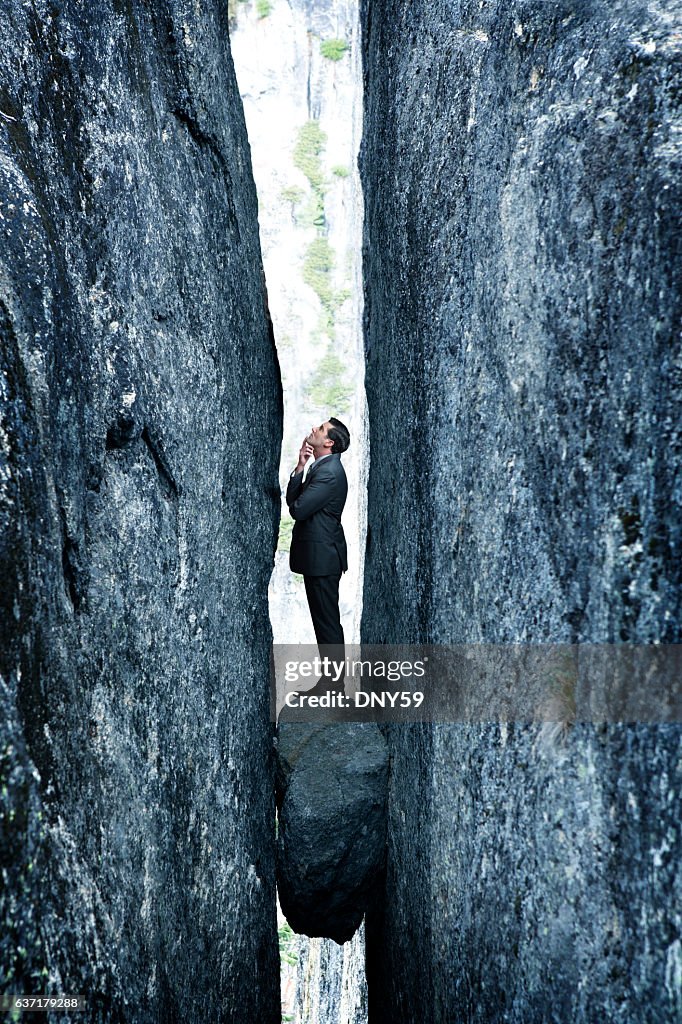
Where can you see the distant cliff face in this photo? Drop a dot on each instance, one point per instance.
(299, 72)
(521, 172)
(140, 403)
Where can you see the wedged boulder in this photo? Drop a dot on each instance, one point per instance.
(332, 782)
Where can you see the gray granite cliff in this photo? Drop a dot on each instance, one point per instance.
(521, 165)
(140, 415)
(521, 169)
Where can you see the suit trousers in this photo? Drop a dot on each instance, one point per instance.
(323, 600)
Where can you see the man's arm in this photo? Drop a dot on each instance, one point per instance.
(296, 478)
(316, 495)
(294, 485)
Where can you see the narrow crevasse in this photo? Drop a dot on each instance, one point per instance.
(299, 70)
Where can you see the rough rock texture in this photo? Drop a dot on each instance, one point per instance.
(332, 784)
(137, 528)
(521, 165)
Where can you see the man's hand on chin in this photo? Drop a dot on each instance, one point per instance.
(303, 455)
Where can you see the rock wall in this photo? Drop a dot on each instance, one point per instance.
(141, 412)
(521, 172)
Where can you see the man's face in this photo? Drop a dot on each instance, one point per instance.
(317, 437)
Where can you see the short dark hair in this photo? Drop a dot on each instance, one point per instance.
(338, 433)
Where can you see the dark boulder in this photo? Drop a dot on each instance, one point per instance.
(332, 787)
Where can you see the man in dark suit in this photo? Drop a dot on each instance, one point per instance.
(318, 544)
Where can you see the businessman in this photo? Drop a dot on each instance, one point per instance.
(318, 544)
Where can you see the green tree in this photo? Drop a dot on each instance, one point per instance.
(307, 152)
(286, 526)
(333, 49)
(292, 194)
(317, 268)
(330, 390)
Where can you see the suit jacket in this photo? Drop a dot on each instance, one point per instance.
(318, 544)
